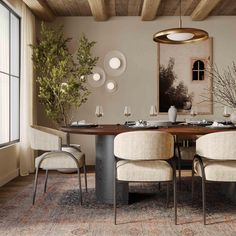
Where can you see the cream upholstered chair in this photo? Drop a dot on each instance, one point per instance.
(58, 155)
(141, 156)
(215, 161)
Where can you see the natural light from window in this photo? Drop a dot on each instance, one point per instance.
(9, 76)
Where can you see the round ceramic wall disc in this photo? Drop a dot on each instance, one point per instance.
(114, 63)
(97, 78)
(111, 86)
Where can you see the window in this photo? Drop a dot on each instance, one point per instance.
(198, 70)
(9, 76)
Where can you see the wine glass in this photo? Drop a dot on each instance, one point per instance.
(99, 112)
(193, 112)
(153, 110)
(226, 114)
(127, 111)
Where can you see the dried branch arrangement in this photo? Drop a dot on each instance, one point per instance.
(224, 85)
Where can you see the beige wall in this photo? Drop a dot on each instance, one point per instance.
(8, 163)
(138, 85)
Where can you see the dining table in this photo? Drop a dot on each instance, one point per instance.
(104, 167)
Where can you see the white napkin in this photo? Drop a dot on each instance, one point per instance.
(81, 122)
(216, 124)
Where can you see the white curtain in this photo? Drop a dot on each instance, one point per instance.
(27, 89)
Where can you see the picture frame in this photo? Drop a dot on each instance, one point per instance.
(183, 79)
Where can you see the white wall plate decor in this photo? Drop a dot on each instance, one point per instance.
(97, 78)
(111, 86)
(114, 63)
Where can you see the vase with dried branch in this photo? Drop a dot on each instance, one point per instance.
(224, 87)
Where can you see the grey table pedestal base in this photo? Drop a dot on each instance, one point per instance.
(105, 172)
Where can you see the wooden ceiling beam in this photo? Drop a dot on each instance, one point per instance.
(98, 9)
(149, 10)
(203, 9)
(40, 9)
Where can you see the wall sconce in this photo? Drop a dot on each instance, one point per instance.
(97, 78)
(114, 63)
(111, 86)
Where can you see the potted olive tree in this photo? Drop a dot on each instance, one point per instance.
(60, 74)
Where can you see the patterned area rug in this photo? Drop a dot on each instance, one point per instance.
(58, 211)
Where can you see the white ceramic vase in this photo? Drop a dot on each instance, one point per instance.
(233, 117)
(172, 114)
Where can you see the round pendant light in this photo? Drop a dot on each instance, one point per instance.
(180, 35)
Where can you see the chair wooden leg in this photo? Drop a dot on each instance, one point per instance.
(178, 155)
(35, 184)
(114, 194)
(199, 158)
(46, 180)
(204, 200)
(80, 186)
(159, 186)
(192, 184)
(175, 198)
(85, 177)
(179, 164)
(167, 194)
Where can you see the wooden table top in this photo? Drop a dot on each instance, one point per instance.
(117, 129)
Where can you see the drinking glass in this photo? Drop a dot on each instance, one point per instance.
(127, 111)
(226, 114)
(99, 112)
(193, 112)
(153, 110)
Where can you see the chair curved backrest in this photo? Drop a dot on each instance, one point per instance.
(217, 146)
(144, 145)
(46, 139)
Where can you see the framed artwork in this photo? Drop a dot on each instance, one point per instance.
(182, 77)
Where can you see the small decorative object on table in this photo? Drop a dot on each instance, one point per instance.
(172, 114)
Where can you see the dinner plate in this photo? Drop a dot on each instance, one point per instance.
(84, 125)
(200, 122)
(143, 127)
(220, 127)
(159, 123)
